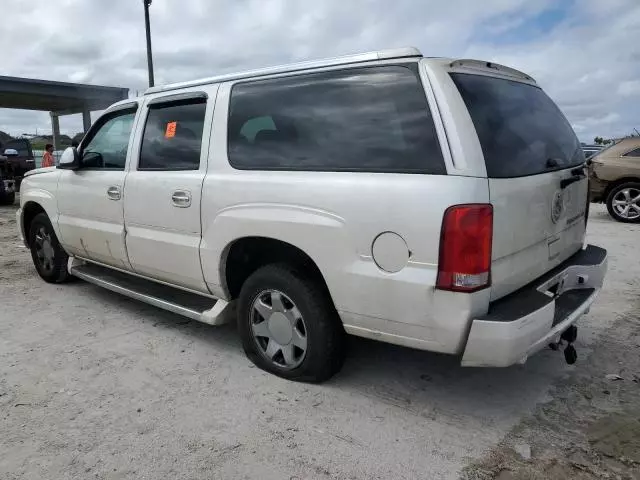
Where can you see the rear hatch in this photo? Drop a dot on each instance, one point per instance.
(537, 185)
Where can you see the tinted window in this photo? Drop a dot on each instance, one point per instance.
(107, 147)
(254, 126)
(521, 130)
(22, 147)
(366, 119)
(633, 153)
(173, 137)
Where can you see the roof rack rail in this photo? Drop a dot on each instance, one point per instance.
(406, 52)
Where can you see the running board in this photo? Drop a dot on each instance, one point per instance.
(196, 307)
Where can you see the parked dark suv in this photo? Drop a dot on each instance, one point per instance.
(19, 159)
(7, 185)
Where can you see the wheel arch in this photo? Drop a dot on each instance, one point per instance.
(616, 183)
(243, 256)
(29, 211)
(39, 196)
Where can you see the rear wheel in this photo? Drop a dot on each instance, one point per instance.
(623, 202)
(48, 256)
(289, 326)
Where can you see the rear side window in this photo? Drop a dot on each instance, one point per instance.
(173, 136)
(521, 131)
(633, 153)
(368, 119)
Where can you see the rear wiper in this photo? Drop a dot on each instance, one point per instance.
(552, 163)
(555, 162)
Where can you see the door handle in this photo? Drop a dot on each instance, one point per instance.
(113, 193)
(181, 199)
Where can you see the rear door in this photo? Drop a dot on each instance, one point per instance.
(164, 186)
(536, 182)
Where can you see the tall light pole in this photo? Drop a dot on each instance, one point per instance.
(148, 30)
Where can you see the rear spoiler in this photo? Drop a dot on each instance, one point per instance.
(481, 65)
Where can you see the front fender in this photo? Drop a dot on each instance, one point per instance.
(42, 194)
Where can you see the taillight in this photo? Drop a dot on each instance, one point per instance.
(465, 248)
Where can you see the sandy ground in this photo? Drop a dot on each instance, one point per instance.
(93, 385)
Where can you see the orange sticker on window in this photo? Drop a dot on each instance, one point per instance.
(170, 132)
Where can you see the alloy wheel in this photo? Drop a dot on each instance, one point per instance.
(279, 329)
(45, 253)
(626, 203)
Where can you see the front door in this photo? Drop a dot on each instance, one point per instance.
(163, 190)
(90, 199)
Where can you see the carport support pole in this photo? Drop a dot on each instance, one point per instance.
(55, 127)
(147, 26)
(86, 120)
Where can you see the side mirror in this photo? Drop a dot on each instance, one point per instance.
(11, 152)
(70, 160)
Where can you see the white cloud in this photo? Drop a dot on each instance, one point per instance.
(629, 88)
(594, 123)
(589, 63)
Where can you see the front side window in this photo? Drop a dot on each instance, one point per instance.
(107, 147)
(373, 119)
(172, 137)
(633, 153)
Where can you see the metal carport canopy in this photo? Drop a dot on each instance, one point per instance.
(58, 98)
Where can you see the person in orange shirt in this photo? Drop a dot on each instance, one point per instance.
(47, 158)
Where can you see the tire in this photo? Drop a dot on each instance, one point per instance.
(48, 256)
(318, 327)
(628, 192)
(8, 199)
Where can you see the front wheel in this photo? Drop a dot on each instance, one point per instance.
(289, 326)
(623, 202)
(48, 256)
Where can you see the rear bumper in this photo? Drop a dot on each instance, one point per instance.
(522, 323)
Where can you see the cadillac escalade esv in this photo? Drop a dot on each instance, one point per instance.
(434, 203)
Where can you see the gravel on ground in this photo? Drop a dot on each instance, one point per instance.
(97, 386)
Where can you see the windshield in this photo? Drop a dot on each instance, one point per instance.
(20, 145)
(521, 131)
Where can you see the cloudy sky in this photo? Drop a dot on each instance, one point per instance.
(584, 53)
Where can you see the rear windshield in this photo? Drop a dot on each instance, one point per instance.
(521, 131)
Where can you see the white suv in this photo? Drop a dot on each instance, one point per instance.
(433, 203)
